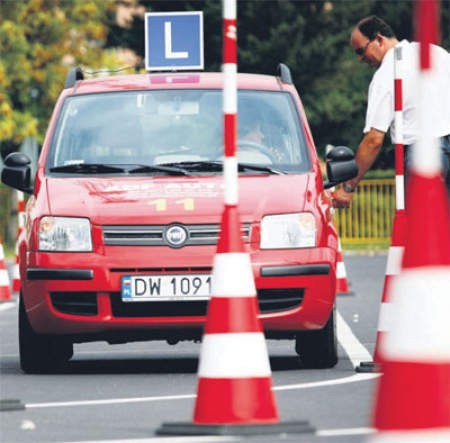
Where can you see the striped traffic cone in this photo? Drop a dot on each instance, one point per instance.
(342, 286)
(413, 402)
(412, 398)
(234, 365)
(393, 268)
(5, 290)
(234, 393)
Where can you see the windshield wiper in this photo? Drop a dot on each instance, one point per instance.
(260, 168)
(168, 169)
(199, 166)
(86, 168)
(217, 166)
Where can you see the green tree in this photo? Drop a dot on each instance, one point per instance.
(310, 36)
(39, 41)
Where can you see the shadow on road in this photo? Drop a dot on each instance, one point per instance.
(150, 365)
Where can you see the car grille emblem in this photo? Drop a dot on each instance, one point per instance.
(176, 236)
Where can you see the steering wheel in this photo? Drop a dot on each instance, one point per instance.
(263, 149)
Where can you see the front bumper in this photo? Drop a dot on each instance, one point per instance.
(295, 289)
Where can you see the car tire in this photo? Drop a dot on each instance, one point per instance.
(40, 353)
(318, 349)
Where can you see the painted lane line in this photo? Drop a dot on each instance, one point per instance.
(333, 382)
(177, 439)
(354, 349)
(352, 346)
(109, 401)
(344, 432)
(7, 305)
(212, 439)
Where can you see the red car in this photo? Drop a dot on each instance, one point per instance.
(124, 214)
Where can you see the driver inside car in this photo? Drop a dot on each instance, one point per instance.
(251, 142)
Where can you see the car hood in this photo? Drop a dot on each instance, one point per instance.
(137, 200)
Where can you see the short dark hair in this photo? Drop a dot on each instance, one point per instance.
(373, 25)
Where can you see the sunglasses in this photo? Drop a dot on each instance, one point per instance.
(362, 50)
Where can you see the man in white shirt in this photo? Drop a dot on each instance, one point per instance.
(373, 41)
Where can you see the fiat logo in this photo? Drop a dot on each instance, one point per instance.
(176, 236)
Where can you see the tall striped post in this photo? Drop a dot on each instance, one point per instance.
(397, 246)
(229, 101)
(235, 384)
(412, 398)
(234, 391)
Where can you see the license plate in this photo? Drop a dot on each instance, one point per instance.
(166, 287)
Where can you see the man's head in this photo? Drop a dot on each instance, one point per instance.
(371, 39)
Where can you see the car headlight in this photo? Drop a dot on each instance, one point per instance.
(64, 234)
(284, 231)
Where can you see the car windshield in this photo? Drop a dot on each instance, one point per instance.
(138, 129)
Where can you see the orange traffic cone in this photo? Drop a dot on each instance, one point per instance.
(234, 365)
(20, 228)
(342, 286)
(234, 394)
(412, 399)
(5, 290)
(413, 392)
(393, 268)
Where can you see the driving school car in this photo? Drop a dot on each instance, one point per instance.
(123, 216)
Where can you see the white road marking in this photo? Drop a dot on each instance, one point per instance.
(352, 346)
(109, 401)
(355, 350)
(345, 431)
(177, 439)
(211, 439)
(7, 305)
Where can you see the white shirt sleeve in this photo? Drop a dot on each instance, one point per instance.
(380, 104)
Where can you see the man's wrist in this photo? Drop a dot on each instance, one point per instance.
(348, 187)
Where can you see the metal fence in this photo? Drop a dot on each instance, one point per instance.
(368, 220)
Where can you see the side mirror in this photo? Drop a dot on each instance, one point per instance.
(17, 172)
(341, 166)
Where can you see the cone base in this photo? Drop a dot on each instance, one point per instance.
(348, 292)
(11, 405)
(367, 367)
(296, 427)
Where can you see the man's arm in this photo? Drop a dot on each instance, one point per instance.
(367, 153)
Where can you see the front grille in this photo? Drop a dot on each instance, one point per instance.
(85, 303)
(153, 235)
(269, 300)
(75, 303)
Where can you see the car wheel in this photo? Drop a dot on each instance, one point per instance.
(318, 349)
(40, 353)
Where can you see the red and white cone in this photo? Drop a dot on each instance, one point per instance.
(234, 364)
(5, 290)
(393, 268)
(20, 227)
(342, 286)
(234, 393)
(412, 399)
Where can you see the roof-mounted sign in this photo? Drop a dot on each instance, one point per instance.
(173, 40)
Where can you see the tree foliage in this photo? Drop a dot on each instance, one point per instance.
(39, 41)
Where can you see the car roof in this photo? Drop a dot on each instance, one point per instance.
(178, 80)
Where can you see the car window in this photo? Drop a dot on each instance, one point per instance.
(170, 126)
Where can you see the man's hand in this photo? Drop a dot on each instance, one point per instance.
(341, 199)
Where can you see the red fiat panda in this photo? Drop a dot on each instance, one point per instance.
(124, 214)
